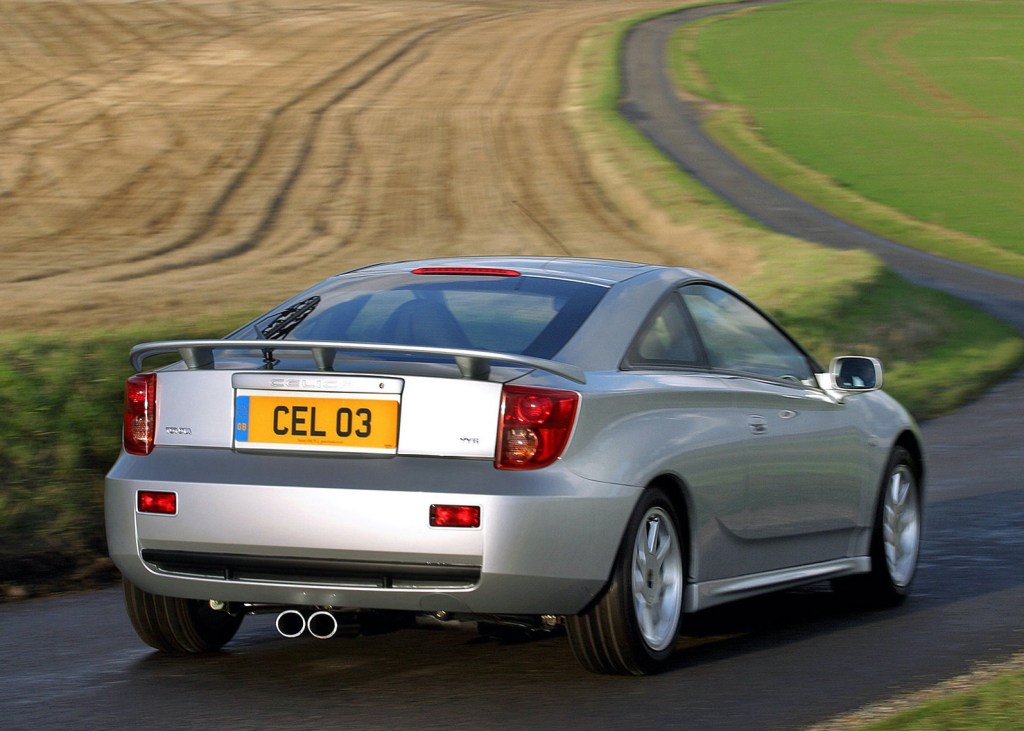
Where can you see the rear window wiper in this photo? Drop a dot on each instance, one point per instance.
(289, 318)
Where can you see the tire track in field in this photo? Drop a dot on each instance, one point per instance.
(121, 79)
(376, 84)
(268, 144)
(209, 217)
(514, 137)
(22, 168)
(236, 185)
(915, 86)
(308, 170)
(440, 111)
(942, 100)
(134, 57)
(124, 57)
(268, 217)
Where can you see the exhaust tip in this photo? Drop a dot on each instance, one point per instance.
(290, 623)
(322, 625)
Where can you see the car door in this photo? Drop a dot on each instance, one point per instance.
(801, 454)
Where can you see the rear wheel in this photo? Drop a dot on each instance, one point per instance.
(631, 629)
(179, 626)
(895, 540)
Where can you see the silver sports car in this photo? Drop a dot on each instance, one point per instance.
(603, 445)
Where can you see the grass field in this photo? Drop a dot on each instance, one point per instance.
(907, 118)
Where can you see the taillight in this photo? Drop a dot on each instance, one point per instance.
(535, 426)
(140, 413)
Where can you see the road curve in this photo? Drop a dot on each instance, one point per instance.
(673, 124)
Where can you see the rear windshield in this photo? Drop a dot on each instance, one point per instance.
(522, 315)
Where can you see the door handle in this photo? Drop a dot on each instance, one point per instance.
(757, 424)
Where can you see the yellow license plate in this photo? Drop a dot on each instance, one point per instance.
(301, 421)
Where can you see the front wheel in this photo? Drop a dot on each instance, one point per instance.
(178, 626)
(631, 629)
(895, 540)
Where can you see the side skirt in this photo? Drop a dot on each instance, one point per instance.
(709, 593)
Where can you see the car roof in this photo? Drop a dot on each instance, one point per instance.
(596, 271)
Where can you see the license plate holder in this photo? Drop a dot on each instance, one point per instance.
(316, 421)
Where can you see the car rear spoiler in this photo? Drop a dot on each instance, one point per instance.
(198, 354)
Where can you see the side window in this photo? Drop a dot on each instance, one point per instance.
(738, 338)
(667, 338)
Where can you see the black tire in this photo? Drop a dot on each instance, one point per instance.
(178, 626)
(632, 627)
(895, 538)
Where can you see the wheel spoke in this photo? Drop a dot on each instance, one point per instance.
(653, 524)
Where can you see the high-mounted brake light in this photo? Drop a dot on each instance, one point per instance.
(140, 413)
(468, 271)
(535, 426)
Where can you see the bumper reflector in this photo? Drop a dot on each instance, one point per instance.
(161, 503)
(455, 516)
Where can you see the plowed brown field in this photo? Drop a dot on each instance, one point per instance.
(166, 160)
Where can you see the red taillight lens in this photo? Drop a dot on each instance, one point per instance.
(161, 503)
(535, 426)
(140, 413)
(455, 516)
(532, 408)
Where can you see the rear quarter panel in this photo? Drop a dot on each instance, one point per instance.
(636, 426)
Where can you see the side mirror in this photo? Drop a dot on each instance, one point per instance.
(855, 373)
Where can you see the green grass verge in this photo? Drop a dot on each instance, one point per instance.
(904, 118)
(997, 705)
(938, 352)
(60, 431)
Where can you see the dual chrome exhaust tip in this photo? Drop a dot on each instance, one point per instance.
(292, 623)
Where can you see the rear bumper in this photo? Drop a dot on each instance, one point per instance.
(354, 532)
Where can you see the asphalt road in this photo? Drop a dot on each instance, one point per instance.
(778, 662)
